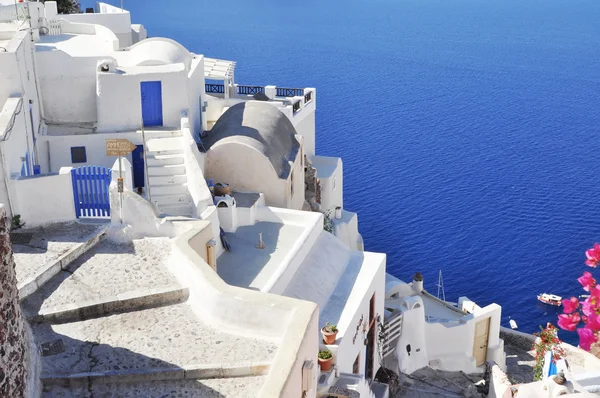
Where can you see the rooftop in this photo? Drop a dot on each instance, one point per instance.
(247, 266)
(75, 45)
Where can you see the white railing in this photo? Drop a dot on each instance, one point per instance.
(54, 27)
(392, 331)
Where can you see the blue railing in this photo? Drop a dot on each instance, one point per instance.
(214, 88)
(289, 92)
(250, 90)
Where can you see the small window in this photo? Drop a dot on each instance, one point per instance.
(334, 181)
(78, 154)
(292, 185)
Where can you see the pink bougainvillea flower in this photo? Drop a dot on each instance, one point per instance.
(570, 305)
(593, 322)
(587, 281)
(591, 304)
(587, 307)
(569, 322)
(593, 256)
(586, 338)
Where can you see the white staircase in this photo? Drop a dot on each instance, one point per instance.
(167, 178)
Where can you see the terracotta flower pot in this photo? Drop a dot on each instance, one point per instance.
(328, 337)
(325, 364)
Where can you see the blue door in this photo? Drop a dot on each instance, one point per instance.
(151, 103)
(137, 157)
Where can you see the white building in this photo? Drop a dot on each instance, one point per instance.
(70, 83)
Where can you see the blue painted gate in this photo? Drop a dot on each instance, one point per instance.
(151, 103)
(90, 191)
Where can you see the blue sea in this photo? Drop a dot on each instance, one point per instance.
(469, 129)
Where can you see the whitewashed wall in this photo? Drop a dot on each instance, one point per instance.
(68, 85)
(413, 335)
(348, 350)
(59, 149)
(246, 170)
(331, 176)
(119, 22)
(450, 346)
(346, 229)
(306, 128)
(296, 177)
(18, 139)
(17, 80)
(194, 165)
(196, 95)
(119, 97)
(292, 323)
(45, 199)
(312, 224)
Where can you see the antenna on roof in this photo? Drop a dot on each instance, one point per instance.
(440, 286)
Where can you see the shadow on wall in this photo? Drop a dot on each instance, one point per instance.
(237, 269)
(90, 356)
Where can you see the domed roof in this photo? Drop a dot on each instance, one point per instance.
(261, 126)
(158, 51)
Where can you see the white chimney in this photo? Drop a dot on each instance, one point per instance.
(417, 284)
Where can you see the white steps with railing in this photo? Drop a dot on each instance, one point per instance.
(167, 177)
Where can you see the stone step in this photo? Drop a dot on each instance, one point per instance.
(38, 266)
(161, 145)
(219, 386)
(110, 305)
(176, 210)
(172, 189)
(163, 160)
(186, 372)
(166, 170)
(159, 132)
(109, 271)
(157, 340)
(165, 151)
(177, 199)
(167, 180)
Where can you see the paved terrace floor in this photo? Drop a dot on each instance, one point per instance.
(48, 244)
(142, 340)
(108, 269)
(247, 266)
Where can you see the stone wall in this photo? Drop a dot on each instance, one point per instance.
(14, 339)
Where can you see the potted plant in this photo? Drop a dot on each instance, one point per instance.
(329, 333)
(325, 359)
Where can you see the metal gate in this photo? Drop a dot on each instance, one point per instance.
(91, 192)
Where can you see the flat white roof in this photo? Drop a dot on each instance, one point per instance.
(218, 69)
(74, 44)
(249, 267)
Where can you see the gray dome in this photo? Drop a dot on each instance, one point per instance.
(261, 126)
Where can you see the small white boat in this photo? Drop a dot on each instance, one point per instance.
(513, 324)
(550, 299)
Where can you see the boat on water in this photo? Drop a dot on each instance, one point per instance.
(550, 299)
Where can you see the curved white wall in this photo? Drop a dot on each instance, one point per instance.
(246, 170)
